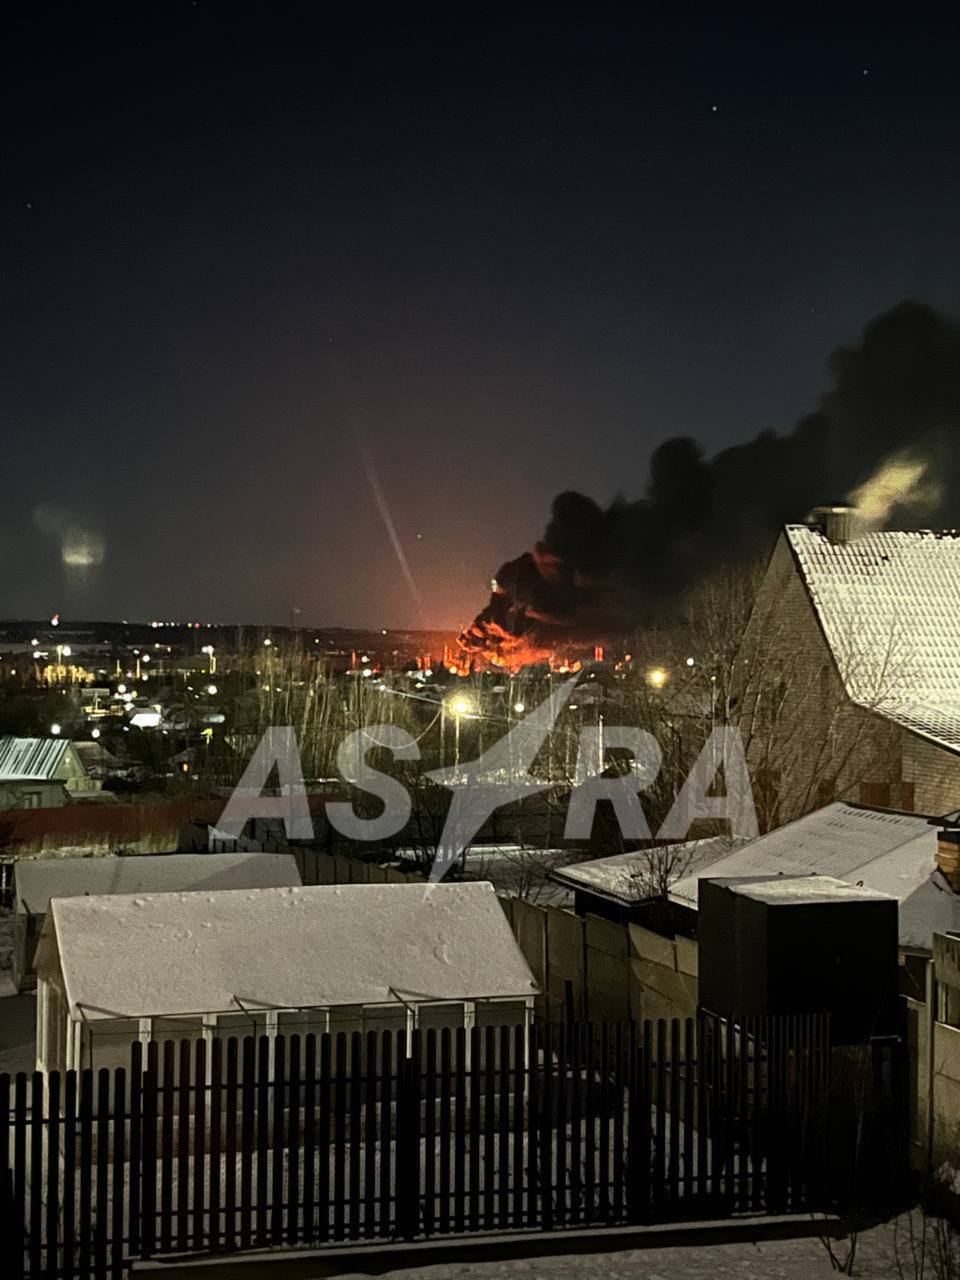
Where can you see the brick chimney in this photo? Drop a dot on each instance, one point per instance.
(835, 520)
(948, 857)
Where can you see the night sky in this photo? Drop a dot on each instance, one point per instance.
(268, 276)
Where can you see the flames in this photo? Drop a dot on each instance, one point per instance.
(486, 645)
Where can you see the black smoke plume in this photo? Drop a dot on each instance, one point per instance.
(598, 573)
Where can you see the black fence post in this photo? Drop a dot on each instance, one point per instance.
(408, 1138)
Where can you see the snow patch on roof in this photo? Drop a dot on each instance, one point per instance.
(626, 876)
(802, 890)
(287, 948)
(889, 605)
(891, 852)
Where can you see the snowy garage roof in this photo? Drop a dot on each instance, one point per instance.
(324, 945)
(889, 606)
(893, 853)
(38, 880)
(622, 877)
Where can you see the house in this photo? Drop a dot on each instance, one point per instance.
(40, 773)
(37, 880)
(852, 656)
(225, 963)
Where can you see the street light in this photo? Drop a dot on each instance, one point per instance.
(657, 677)
(458, 706)
(55, 730)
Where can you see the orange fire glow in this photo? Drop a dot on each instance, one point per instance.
(488, 645)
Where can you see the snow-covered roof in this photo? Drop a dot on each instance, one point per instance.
(37, 880)
(625, 877)
(892, 853)
(30, 759)
(802, 890)
(293, 948)
(889, 606)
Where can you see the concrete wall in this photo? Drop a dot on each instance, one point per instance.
(946, 1093)
(595, 969)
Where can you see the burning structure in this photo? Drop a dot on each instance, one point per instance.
(597, 573)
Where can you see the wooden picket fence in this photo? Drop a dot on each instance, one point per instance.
(236, 1144)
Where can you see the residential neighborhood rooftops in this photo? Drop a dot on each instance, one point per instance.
(37, 880)
(889, 606)
(145, 955)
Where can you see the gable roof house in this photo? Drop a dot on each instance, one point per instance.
(39, 773)
(224, 963)
(37, 880)
(851, 661)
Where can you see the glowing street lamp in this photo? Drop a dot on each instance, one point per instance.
(458, 706)
(55, 730)
(657, 677)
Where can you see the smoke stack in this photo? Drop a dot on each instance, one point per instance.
(835, 521)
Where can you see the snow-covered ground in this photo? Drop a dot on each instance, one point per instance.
(776, 1260)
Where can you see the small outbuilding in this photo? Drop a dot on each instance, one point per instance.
(321, 958)
(37, 880)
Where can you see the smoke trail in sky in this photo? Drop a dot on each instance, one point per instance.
(380, 499)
